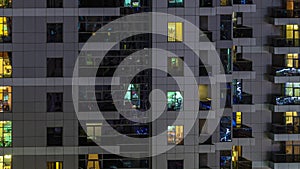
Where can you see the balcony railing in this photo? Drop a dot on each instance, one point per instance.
(286, 100)
(242, 65)
(285, 158)
(242, 131)
(205, 104)
(244, 98)
(242, 32)
(285, 129)
(285, 71)
(242, 2)
(284, 13)
(283, 42)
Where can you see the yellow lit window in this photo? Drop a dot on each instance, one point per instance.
(3, 26)
(292, 89)
(238, 118)
(55, 165)
(93, 161)
(290, 4)
(292, 60)
(5, 65)
(5, 162)
(292, 31)
(175, 32)
(175, 134)
(289, 117)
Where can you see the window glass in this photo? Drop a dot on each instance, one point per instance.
(132, 96)
(55, 165)
(175, 164)
(54, 67)
(175, 31)
(5, 64)
(5, 3)
(5, 98)
(225, 129)
(175, 135)
(5, 29)
(54, 32)
(54, 102)
(225, 159)
(5, 162)
(176, 3)
(54, 3)
(5, 133)
(175, 100)
(132, 3)
(54, 136)
(175, 66)
(225, 2)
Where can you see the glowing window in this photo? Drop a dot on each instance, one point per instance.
(175, 66)
(175, 31)
(5, 3)
(93, 131)
(132, 96)
(175, 3)
(292, 60)
(175, 135)
(5, 64)
(93, 161)
(5, 29)
(132, 3)
(175, 100)
(292, 31)
(292, 89)
(5, 133)
(5, 162)
(54, 165)
(5, 98)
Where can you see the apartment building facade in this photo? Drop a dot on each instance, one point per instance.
(42, 40)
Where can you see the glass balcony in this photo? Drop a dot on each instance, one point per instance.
(242, 32)
(242, 163)
(285, 71)
(285, 158)
(286, 100)
(283, 42)
(242, 65)
(206, 3)
(242, 131)
(205, 104)
(242, 2)
(285, 129)
(244, 98)
(284, 13)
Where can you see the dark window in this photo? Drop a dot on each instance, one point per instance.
(54, 67)
(54, 32)
(206, 3)
(54, 136)
(54, 3)
(175, 164)
(225, 27)
(54, 102)
(98, 3)
(175, 66)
